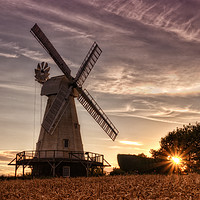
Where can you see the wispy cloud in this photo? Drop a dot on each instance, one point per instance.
(5, 158)
(127, 148)
(168, 16)
(127, 82)
(7, 155)
(153, 118)
(20, 51)
(65, 28)
(130, 143)
(31, 54)
(17, 87)
(7, 55)
(166, 108)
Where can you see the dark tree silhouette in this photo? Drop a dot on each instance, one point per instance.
(184, 143)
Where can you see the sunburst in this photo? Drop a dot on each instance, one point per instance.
(173, 161)
(176, 160)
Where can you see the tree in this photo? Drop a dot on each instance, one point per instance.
(142, 155)
(182, 143)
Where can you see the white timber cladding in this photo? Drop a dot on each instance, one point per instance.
(67, 128)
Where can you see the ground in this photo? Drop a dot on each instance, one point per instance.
(106, 188)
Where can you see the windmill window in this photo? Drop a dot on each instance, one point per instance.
(66, 143)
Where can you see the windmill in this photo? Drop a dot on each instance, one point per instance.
(60, 129)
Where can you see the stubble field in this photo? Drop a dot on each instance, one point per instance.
(106, 188)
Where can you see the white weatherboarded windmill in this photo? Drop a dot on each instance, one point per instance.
(59, 150)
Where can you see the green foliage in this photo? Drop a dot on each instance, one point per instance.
(183, 142)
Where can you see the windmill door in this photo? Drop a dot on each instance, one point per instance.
(66, 171)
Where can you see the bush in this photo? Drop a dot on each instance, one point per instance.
(117, 171)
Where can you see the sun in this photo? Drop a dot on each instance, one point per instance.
(176, 160)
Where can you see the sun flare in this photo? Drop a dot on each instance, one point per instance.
(176, 163)
(176, 160)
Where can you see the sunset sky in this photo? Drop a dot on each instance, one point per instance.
(147, 79)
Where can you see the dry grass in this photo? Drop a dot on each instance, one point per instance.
(117, 187)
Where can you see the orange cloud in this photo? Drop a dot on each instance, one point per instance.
(130, 143)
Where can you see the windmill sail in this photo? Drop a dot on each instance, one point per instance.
(59, 105)
(97, 113)
(88, 64)
(57, 109)
(46, 44)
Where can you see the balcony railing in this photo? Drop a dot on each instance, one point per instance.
(58, 154)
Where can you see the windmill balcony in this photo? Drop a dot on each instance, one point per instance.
(58, 154)
(54, 160)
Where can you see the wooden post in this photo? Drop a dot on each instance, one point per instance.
(16, 167)
(23, 163)
(87, 164)
(23, 170)
(54, 169)
(102, 170)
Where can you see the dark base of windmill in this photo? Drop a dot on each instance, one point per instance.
(60, 163)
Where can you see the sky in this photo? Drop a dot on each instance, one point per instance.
(146, 79)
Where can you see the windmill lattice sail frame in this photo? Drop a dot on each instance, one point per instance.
(60, 103)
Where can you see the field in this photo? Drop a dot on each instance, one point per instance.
(108, 187)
